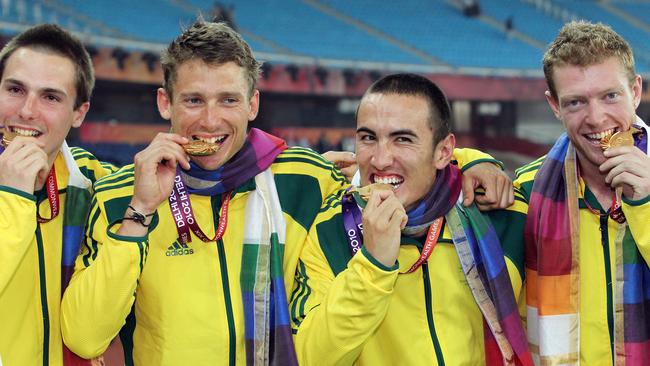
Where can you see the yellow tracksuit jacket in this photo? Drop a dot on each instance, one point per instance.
(30, 269)
(597, 263)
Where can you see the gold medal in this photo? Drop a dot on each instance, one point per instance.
(621, 138)
(366, 191)
(201, 148)
(7, 136)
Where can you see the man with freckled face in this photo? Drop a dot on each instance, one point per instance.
(587, 243)
(409, 275)
(46, 79)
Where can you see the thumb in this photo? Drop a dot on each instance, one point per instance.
(468, 192)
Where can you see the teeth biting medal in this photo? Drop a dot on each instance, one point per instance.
(620, 138)
(201, 148)
(366, 191)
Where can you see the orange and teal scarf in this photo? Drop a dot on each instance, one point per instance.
(552, 270)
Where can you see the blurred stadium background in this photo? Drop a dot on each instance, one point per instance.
(320, 55)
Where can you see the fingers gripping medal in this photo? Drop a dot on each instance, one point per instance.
(352, 219)
(620, 138)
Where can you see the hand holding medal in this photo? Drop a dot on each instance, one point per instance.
(621, 167)
(383, 220)
(23, 163)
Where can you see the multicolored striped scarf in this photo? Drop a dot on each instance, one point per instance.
(553, 273)
(257, 154)
(440, 199)
(482, 259)
(266, 312)
(77, 205)
(268, 333)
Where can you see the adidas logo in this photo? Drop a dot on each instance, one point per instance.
(178, 249)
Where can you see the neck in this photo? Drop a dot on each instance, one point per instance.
(596, 183)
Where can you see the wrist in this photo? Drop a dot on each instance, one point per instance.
(380, 257)
(144, 218)
(141, 207)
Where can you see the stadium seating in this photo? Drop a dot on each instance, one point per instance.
(441, 31)
(304, 30)
(411, 32)
(636, 36)
(526, 18)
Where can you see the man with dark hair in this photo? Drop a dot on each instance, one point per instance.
(46, 79)
(195, 245)
(586, 233)
(406, 275)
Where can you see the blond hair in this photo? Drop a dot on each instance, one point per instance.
(582, 43)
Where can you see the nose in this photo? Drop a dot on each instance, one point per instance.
(28, 110)
(382, 156)
(597, 113)
(211, 115)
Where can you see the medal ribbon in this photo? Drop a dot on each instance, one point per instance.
(52, 191)
(179, 203)
(432, 238)
(353, 223)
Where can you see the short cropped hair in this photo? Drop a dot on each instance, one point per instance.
(416, 85)
(212, 43)
(582, 43)
(53, 39)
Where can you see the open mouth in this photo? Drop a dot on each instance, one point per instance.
(394, 180)
(204, 146)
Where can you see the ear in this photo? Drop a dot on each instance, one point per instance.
(443, 151)
(637, 89)
(79, 114)
(254, 105)
(555, 106)
(164, 104)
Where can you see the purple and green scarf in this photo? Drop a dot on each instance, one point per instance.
(266, 312)
(553, 273)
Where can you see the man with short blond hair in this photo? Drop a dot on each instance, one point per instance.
(586, 236)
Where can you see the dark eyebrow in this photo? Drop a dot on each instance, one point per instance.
(366, 130)
(45, 90)
(14, 82)
(403, 132)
